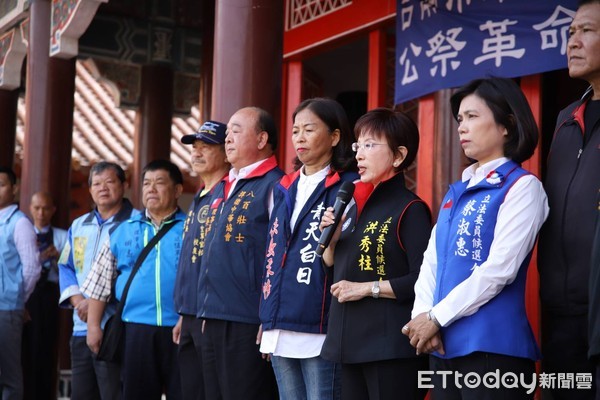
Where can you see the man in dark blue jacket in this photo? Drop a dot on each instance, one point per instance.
(572, 182)
(232, 265)
(210, 163)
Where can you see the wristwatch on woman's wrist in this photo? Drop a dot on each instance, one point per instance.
(375, 290)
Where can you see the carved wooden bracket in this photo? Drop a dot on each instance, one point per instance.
(186, 93)
(11, 11)
(70, 19)
(12, 53)
(24, 29)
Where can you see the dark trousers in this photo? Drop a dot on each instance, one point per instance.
(40, 343)
(382, 380)
(455, 386)
(92, 379)
(11, 373)
(597, 377)
(189, 356)
(233, 366)
(564, 350)
(150, 363)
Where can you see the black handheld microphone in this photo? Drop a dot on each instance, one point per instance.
(341, 200)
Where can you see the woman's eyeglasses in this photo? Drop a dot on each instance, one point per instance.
(364, 146)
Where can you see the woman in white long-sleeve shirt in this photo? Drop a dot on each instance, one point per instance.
(469, 310)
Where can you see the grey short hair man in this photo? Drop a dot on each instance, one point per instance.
(572, 184)
(233, 262)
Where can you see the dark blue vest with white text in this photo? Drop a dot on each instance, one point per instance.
(231, 268)
(295, 293)
(192, 250)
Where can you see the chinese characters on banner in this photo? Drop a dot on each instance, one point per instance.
(446, 43)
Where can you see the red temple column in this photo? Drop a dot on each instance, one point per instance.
(49, 117)
(208, 35)
(248, 50)
(8, 126)
(532, 88)
(426, 153)
(293, 74)
(377, 69)
(153, 120)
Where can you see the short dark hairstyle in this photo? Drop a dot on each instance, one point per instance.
(102, 166)
(396, 127)
(334, 117)
(586, 2)
(510, 109)
(12, 177)
(265, 122)
(165, 165)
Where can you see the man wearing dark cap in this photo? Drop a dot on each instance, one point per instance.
(210, 163)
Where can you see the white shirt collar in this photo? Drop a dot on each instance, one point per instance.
(243, 172)
(315, 178)
(476, 173)
(306, 186)
(45, 229)
(8, 210)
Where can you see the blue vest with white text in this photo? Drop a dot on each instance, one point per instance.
(86, 236)
(12, 291)
(465, 231)
(192, 250)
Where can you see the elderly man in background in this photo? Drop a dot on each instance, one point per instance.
(40, 335)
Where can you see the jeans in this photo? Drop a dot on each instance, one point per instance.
(92, 379)
(307, 378)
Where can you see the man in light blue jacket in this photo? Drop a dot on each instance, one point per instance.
(91, 378)
(149, 359)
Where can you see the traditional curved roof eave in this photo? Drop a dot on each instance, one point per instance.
(102, 131)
